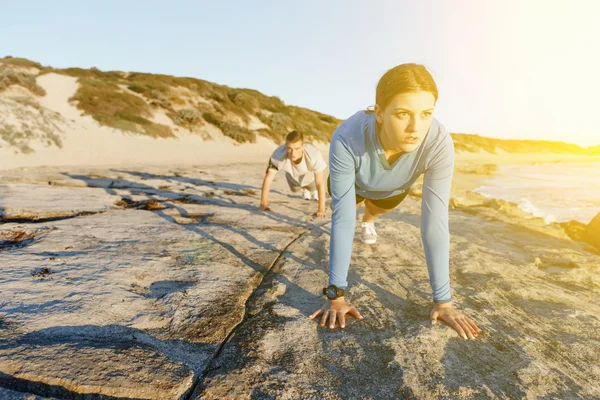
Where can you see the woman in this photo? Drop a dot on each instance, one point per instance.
(374, 158)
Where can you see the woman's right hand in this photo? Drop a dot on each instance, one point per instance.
(336, 310)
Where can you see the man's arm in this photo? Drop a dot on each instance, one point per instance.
(320, 182)
(266, 188)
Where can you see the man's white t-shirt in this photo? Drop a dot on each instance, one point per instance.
(303, 172)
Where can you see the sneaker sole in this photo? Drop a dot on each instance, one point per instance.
(369, 241)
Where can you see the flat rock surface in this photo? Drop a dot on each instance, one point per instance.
(168, 283)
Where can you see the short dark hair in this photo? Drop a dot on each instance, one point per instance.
(293, 137)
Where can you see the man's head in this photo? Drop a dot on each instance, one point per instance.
(294, 143)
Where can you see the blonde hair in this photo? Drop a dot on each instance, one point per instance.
(404, 78)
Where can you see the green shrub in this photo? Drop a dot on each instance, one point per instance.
(216, 97)
(238, 133)
(103, 99)
(211, 119)
(244, 101)
(91, 73)
(190, 116)
(311, 124)
(17, 138)
(10, 77)
(158, 130)
(269, 134)
(269, 103)
(132, 118)
(186, 117)
(280, 123)
(162, 83)
(149, 86)
(21, 62)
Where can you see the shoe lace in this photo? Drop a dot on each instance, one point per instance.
(370, 228)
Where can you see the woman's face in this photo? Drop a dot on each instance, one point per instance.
(405, 121)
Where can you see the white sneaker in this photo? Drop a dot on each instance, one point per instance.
(305, 194)
(315, 195)
(369, 236)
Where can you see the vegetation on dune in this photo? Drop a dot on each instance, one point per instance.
(109, 105)
(128, 101)
(237, 132)
(476, 143)
(21, 62)
(9, 77)
(29, 123)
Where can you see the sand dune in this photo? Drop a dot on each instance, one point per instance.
(86, 142)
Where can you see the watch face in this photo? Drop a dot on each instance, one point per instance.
(331, 293)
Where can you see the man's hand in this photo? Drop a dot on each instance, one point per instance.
(319, 214)
(455, 319)
(266, 187)
(336, 311)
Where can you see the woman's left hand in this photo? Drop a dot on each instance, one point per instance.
(455, 319)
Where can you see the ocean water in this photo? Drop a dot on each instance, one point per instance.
(556, 192)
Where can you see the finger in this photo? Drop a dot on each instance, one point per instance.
(354, 312)
(324, 318)
(331, 319)
(467, 328)
(342, 319)
(454, 324)
(474, 326)
(316, 313)
(434, 317)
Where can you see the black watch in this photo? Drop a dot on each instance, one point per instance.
(332, 292)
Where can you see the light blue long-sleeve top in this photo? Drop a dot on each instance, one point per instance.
(358, 165)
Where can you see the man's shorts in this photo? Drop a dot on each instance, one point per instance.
(386, 204)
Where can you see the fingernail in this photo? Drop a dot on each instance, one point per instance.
(343, 326)
(432, 322)
(464, 336)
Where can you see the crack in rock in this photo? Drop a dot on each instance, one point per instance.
(210, 366)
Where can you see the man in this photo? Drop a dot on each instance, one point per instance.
(303, 165)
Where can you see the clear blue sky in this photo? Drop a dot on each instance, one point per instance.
(513, 69)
